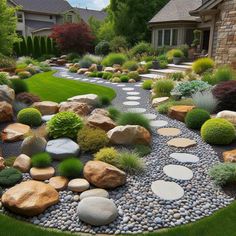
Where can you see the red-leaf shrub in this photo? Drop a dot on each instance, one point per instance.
(225, 92)
(73, 37)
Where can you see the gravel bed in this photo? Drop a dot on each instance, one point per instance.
(140, 210)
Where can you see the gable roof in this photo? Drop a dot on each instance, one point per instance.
(176, 10)
(44, 6)
(85, 14)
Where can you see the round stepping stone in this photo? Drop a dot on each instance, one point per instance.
(93, 80)
(170, 132)
(150, 116)
(185, 157)
(129, 103)
(59, 182)
(107, 82)
(158, 123)
(78, 185)
(167, 190)
(181, 142)
(121, 85)
(97, 192)
(137, 110)
(42, 173)
(178, 172)
(133, 98)
(133, 93)
(128, 89)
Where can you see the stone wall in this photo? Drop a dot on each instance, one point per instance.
(225, 51)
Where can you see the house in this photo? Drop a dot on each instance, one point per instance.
(174, 24)
(37, 17)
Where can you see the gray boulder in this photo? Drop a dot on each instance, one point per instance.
(62, 148)
(97, 211)
(6, 94)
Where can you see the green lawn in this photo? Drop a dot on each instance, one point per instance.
(51, 88)
(221, 223)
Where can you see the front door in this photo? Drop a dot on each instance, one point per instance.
(205, 40)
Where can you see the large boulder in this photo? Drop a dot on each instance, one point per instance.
(46, 107)
(62, 148)
(2, 163)
(97, 211)
(15, 132)
(101, 121)
(6, 112)
(129, 135)
(229, 156)
(103, 175)
(30, 198)
(81, 109)
(33, 145)
(179, 112)
(22, 163)
(6, 94)
(90, 99)
(228, 115)
(82, 71)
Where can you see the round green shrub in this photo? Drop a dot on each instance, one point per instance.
(202, 65)
(124, 78)
(218, 131)
(19, 86)
(209, 78)
(131, 118)
(9, 177)
(142, 48)
(147, 84)
(178, 53)
(93, 74)
(134, 75)
(148, 65)
(114, 58)
(114, 113)
(41, 160)
(70, 168)
(131, 65)
(102, 48)
(64, 124)
(163, 64)
(224, 73)
(100, 74)
(196, 118)
(163, 87)
(92, 139)
(118, 44)
(85, 63)
(30, 116)
(108, 155)
(107, 75)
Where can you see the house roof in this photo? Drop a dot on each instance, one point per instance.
(35, 25)
(207, 5)
(176, 10)
(85, 14)
(44, 6)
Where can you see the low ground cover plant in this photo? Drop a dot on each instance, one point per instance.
(10, 177)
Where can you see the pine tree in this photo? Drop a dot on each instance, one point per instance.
(30, 48)
(23, 47)
(49, 46)
(16, 49)
(43, 46)
(36, 53)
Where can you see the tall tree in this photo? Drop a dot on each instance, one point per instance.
(43, 46)
(8, 22)
(29, 45)
(37, 51)
(49, 46)
(130, 17)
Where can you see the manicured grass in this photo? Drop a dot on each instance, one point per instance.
(51, 88)
(221, 223)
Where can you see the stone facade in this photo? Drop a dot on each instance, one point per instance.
(225, 40)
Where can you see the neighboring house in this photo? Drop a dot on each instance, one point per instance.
(37, 17)
(175, 23)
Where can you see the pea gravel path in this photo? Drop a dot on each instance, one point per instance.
(140, 209)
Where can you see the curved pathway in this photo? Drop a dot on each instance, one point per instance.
(175, 188)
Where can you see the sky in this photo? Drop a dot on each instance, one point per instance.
(91, 4)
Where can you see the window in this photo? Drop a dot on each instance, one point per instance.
(69, 18)
(189, 36)
(167, 37)
(20, 17)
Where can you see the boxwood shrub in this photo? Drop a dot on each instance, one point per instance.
(9, 177)
(30, 116)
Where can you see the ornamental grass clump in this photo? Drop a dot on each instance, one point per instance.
(131, 118)
(218, 131)
(70, 168)
(142, 150)
(163, 87)
(114, 113)
(196, 118)
(41, 160)
(64, 124)
(114, 58)
(147, 84)
(108, 155)
(30, 116)
(130, 65)
(19, 86)
(202, 65)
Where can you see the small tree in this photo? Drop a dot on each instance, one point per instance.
(43, 46)
(30, 45)
(49, 46)
(8, 22)
(73, 37)
(16, 49)
(36, 53)
(23, 47)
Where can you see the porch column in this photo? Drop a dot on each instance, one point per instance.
(211, 40)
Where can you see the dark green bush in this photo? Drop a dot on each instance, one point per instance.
(142, 150)
(218, 131)
(134, 75)
(130, 118)
(104, 100)
(147, 84)
(142, 48)
(102, 48)
(92, 139)
(64, 124)
(9, 177)
(163, 87)
(223, 174)
(114, 58)
(114, 113)
(124, 78)
(30, 116)
(196, 118)
(1, 191)
(72, 56)
(41, 160)
(107, 75)
(19, 86)
(100, 74)
(93, 74)
(70, 168)
(177, 76)
(85, 63)
(131, 65)
(118, 44)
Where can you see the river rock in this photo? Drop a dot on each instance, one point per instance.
(2, 163)
(7, 94)
(179, 112)
(97, 192)
(228, 115)
(90, 99)
(46, 107)
(59, 182)
(230, 156)
(78, 185)
(81, 109)
(22, 163)
(6, 112)
(42, 173)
